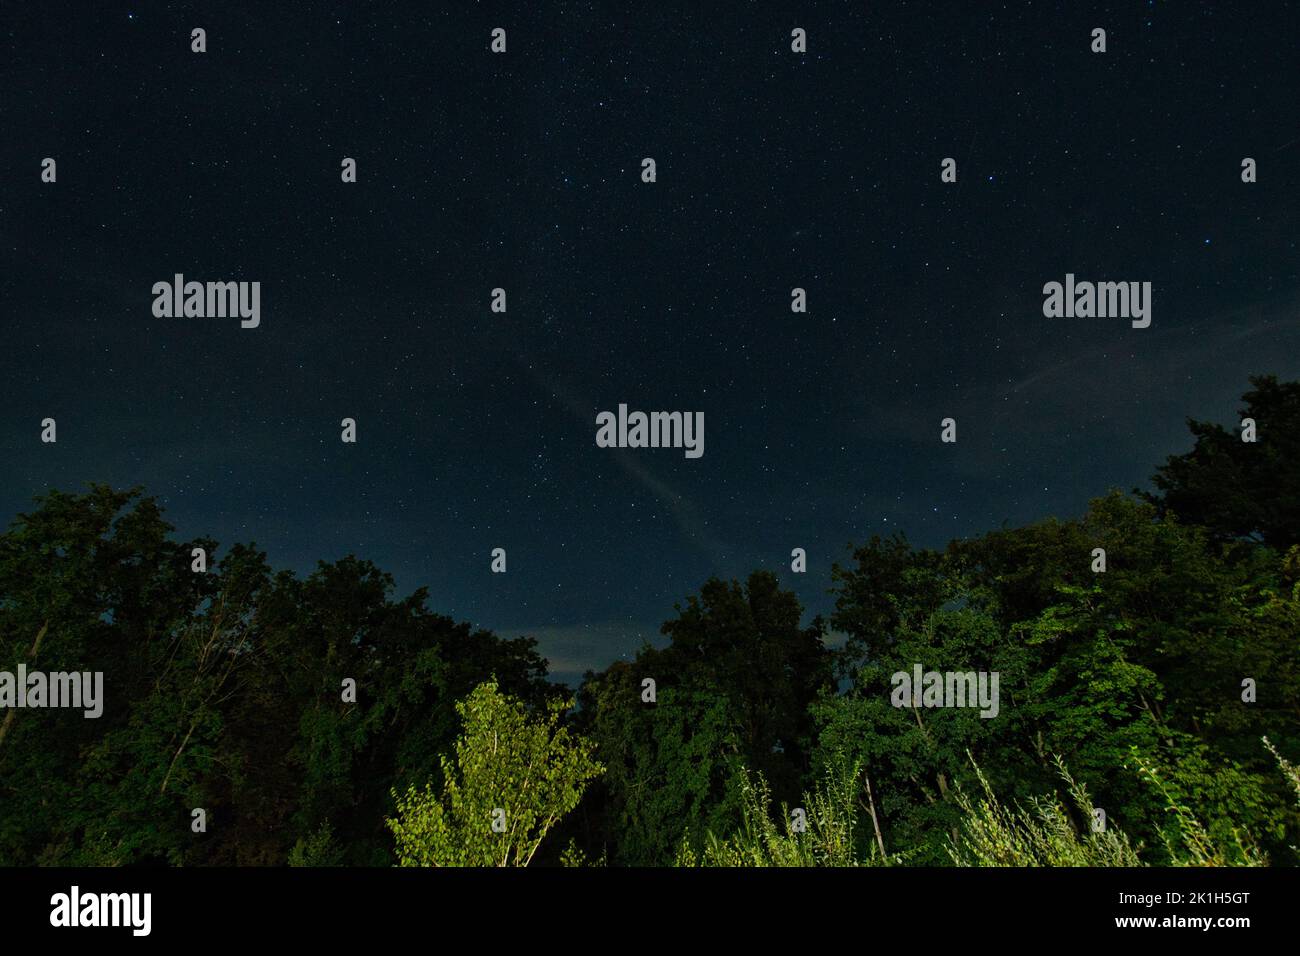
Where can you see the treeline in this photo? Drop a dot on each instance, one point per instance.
(1145, 691)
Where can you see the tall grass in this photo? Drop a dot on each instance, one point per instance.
(995, 834)
(1042, 832)
(826, 839)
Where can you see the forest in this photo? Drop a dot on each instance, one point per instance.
(1148, 713)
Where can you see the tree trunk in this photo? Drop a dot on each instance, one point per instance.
(31, 656)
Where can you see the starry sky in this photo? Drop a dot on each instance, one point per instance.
(776, 170)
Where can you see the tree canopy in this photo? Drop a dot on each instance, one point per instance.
(1145, 650)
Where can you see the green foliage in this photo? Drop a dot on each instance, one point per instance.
(1048, 834)
(573, 857)
(1289, 771)
(916, 756)
(1148, 657)
(1189, 842)
(734, 685)
(829, 836)
(318, 849)
(1044, 834)
(222, 691)
(525, 773)
(667, 765)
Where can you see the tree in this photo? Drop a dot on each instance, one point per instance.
(667, 766)
(1238, 488)
(733, 685)
(1147, 657)
(222, 690)
(88, 582)
(513, 779)
(747, 644)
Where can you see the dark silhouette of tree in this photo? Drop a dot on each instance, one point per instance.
(1236, 488)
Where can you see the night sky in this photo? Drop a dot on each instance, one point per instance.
(776, 170)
